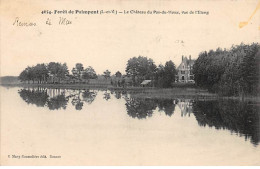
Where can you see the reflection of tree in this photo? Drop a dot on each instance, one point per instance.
(118, 94)
(107, 96)
(57, 102)
(86, 96)
(76, 101)
(37, 97)
(166, 105)
(78, 105)
(140, 108)
(89, 96)
(239, 117)
(54, 99)
(40, 98)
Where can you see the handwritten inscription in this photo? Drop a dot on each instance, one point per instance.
(60, 21)
(17, 22)
(64, 21)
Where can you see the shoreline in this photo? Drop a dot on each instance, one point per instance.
(144, 92)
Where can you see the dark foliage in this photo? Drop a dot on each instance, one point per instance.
(231, 72)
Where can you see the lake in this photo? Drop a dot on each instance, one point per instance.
(95, 127)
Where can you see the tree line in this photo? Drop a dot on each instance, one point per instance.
(137, 69)
(143, 68)
(233, 72)
(41, 72)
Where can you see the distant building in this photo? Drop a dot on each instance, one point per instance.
(184, 70)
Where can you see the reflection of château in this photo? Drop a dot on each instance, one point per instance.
(185, 106)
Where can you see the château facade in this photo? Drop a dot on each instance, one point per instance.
(184, 70)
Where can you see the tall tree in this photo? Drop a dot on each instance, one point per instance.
(132, 68)
(41, 72)
(63, 71)
(31, 73)
(58, 70)
(24, 76)
(140, 68)
(89, 73)
(118, 74)
(165, 75)
(107, 74)
(77, 71)
(170, 72)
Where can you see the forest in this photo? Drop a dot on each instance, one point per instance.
(233, 72)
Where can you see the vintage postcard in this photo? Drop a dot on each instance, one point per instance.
(130, 83)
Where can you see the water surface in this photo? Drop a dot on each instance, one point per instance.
(91, 127)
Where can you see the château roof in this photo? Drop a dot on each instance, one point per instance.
(186, 62)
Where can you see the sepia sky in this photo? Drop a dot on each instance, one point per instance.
(108, 41)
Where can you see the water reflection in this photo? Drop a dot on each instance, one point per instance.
(140, 108)
(119, 94)
(56, 99)
(76, 100)
(144, 107)
(107, 96)
(57, 102)
(237, 117)
(185, 107)
(89, 96)
(38, 97)
(167, 105)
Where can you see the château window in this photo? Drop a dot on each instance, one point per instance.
(182, 72)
